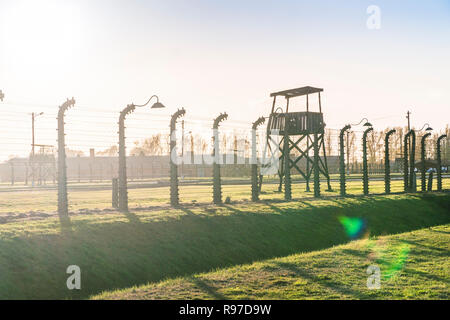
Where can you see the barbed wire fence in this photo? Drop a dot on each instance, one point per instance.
(91, 140)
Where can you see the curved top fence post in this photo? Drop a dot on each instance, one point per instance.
(409, 168)
(255, 126)
(387, 163)
(63, 204)
(123, 192)
(219, 119)
(217, 185)
(343, 186)
(258, 122)
(439, 162)
(423, 182)
(222, 117)
(365, 168)
(174, 195)
(254, 160)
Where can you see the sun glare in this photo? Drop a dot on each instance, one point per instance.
(40, 35)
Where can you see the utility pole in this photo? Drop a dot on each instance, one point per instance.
(182, 138)
(182, 148)
(33, 119)
(408, 116)
(32, 134)
(348, 152)
(192, 148)
(33, 145)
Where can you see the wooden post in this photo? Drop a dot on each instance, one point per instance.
(287, 158)
(316, 167)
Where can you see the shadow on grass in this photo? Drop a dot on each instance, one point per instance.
(211, 291)
(426, 275)
(115, 255)
(333, 286)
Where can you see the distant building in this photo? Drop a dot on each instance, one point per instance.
(101, 168)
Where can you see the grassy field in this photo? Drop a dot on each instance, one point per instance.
(414, 265)
(44, 202)
(117, 251)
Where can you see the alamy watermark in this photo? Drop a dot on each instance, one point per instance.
(374, 279)
(74, 281)
(374, 19)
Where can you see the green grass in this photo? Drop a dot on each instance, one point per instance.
(414, 265)
(118, 251)
(45, 201)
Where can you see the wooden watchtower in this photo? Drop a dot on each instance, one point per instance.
(301, 131)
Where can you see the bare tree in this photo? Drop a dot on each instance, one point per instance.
(74, 153)
(110, 152)
(153, 146)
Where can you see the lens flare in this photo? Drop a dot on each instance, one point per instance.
(398, 263)
(391, 258)
(353, 226)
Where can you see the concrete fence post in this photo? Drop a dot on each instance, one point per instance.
(217, 184)
(63, 205)
(342, 179)
(123, 189)
(254, 162)
(422, 158)
(365, 167)
(439, 162)
(387, 163)
(174, 195)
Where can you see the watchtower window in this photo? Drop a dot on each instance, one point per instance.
(299, 123)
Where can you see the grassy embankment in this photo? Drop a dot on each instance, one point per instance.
(117, 251)
(44, 202)
(414, 265)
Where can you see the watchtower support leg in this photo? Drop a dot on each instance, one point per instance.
(316, 167)
(308, 189)
(287, 169)
(326, 164)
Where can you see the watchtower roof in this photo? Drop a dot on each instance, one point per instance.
(296, 92)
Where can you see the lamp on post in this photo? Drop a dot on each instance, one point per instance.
(123, 192)
(428, 128)
(366, 124)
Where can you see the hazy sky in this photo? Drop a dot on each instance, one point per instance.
(214, 56)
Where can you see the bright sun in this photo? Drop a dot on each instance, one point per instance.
(40, 34)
